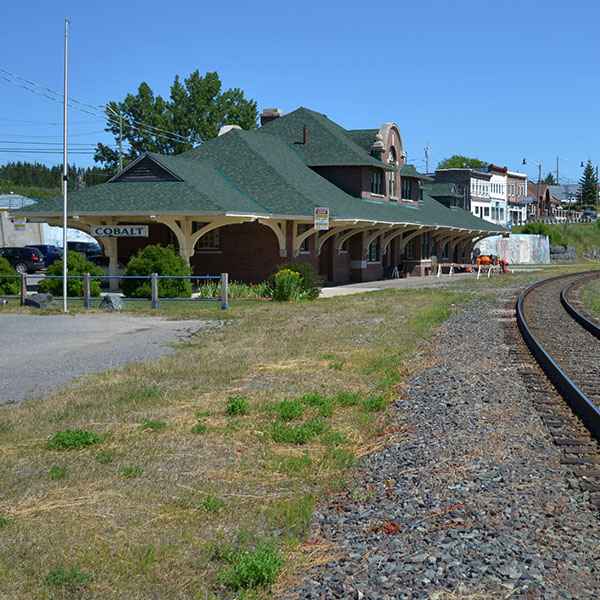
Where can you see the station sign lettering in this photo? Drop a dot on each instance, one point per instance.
(120, 231)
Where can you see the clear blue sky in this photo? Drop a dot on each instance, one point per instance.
(492, 80)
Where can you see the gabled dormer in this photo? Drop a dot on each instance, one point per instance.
(145, 168)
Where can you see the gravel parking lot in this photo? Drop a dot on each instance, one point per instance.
(39, 354)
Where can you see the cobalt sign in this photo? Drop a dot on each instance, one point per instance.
(120, 230)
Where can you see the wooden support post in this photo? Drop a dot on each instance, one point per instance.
(154, 290)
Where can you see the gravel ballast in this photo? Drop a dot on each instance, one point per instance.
(469, 499)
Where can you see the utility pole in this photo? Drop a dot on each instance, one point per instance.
(557, 179)
(427, 158)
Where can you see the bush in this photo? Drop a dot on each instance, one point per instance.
(310, 282)
(76, 265)
(554, 234)
(287, 285)
(8, 286)
(160, 260)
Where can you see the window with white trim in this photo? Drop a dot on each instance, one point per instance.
(303, 228)
(376, 183)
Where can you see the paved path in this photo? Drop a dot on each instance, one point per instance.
(39, 354)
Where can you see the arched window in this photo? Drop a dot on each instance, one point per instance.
(394, 163)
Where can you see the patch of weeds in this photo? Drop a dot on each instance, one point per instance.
(374, 403)
(10, 402)
(149, 424)
(288, 410)
(211, 504)
(334, 438)
(77, 438)
(203, 413)
(233, 426)
(61, 416)
(293, 465)
(301, 434)
(348, 398)
(199, 428)
(254, 569)
(5, 426)
(132, 471)
(72, 579)
(57, 472)
(145, 395)
(339, 457)
(237, 406)
(314, 399)
(329, 356)
(105, 457)
(292, 516)
(336, 365)
(3, 522)
(220, 552)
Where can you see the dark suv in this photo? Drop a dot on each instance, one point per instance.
(85, 248)
(23, 260)
(49, 252)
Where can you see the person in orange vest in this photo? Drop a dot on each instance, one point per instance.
(503, 265)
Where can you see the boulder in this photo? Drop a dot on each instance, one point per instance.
(112, 302)
(39, 300)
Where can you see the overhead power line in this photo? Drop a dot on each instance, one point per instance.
(58, 97)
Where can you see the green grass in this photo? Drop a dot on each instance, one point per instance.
(153, 425)
(57, 472)
(142, 511)
(69, 439)
(237, 405)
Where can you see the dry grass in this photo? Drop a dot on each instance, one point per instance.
(143, 511)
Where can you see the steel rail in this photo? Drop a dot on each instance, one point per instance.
(586, 323)
(588, 411)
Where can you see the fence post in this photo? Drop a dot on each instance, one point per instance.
(87, 303)
(23, 288)
(224, 290)
(154, 290)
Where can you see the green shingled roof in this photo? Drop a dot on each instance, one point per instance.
(256, 173)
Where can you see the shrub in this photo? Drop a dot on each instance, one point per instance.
(554, 234)
(310, 282)
(8, 286)
(160, 260)
(76, 265)
(78, 438)
(236, 405)
(287, 285)
(254, 569)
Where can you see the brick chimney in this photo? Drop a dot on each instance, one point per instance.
(270, 114)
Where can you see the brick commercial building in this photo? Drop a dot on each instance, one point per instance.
(244, 202)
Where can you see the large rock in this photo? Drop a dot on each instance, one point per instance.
(112, 302)
(39, 300)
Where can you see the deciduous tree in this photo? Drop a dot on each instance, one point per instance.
(457, 161)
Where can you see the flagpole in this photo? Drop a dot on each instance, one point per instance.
(65, 174)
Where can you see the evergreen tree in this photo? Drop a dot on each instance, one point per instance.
(549, 179)
(589, 185)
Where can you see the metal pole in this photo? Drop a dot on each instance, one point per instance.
(540, 187)
(120, 141)
(65, 176)
(154, 286)
(87, 303)
(597, 191)
(224, 290)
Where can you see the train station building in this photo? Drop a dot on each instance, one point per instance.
(244, 202)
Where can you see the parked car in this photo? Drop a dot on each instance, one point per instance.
(103, 261)
(49, 253)
(23, 259)
(85, 248)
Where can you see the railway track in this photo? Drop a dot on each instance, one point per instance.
(566, 346)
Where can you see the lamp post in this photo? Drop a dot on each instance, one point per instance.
(539, 181)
